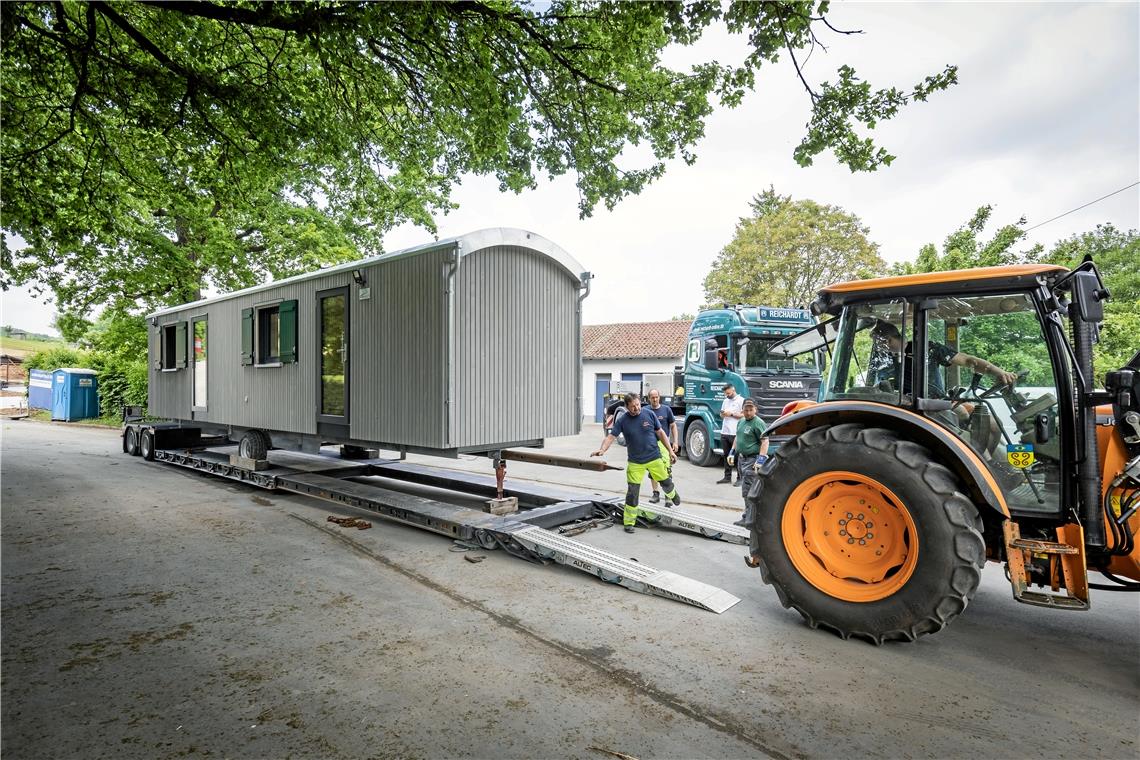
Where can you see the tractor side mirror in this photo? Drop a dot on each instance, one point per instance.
(1089, 297)
(1042, 430)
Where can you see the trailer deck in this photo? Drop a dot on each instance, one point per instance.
(365, 484)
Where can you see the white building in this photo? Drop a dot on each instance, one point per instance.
(626, 351)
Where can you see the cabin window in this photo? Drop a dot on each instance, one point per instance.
(269, 334)
(200, 334)
(172, 346)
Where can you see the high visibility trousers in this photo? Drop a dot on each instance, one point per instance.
(634, 474)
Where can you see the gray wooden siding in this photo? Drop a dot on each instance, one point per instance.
(399, 342)
(516, 366)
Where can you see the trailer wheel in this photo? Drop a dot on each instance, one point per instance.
(254, 445)
(864, 534)
(146, 445)
(131, 441)
(698, 444)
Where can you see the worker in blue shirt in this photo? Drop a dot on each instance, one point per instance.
(642, 432)
(668, 422)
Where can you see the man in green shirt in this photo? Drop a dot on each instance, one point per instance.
(751, 446)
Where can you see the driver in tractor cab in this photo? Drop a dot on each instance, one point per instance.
(884, 369)
(887, 343)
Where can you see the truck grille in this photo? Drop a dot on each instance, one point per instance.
(772, 393)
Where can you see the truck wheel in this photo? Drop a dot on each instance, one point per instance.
(864, 534)
(698, 444)
(146, 445)
(254, 444)
(131, 441)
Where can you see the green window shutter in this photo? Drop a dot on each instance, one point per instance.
(180, 345)
(247, 336)
(288, 315)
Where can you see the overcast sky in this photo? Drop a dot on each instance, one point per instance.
(1045, 118)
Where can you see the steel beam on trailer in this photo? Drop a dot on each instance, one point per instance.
(528, 493)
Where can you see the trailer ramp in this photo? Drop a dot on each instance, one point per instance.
(511, 534)
(706, 526)
(622, 571)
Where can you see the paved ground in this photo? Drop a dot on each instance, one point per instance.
(154, 612)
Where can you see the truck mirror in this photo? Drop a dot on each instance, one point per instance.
(1042, 431)
(1089, 297)
(710, 359)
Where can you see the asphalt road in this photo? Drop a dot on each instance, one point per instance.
(150, 611)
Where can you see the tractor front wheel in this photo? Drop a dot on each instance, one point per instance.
(864, 534)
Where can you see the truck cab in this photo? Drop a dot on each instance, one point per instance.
(729, 346)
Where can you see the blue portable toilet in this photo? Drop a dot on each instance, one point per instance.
(39, 389)
(74, 394)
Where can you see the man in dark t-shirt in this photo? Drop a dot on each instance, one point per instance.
(642, 431)
(884, 364)
(668, 422)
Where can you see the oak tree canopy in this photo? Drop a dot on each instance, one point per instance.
(150, 149)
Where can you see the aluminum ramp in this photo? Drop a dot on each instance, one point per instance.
(490, 530)
(706, 526)
(625, 572)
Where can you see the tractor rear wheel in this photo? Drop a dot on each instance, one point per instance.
(864, 534)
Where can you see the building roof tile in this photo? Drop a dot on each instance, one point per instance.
(636, 340)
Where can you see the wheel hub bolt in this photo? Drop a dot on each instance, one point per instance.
(849, 515)
(843, 533)
(860, 516)
(842, 522)
(878, 552)
(862, 542)
(850, 540)
(870, 535)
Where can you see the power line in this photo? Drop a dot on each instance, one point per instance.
(1078, 208)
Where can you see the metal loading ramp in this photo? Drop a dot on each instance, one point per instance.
(706, 526)
(625, 572)
(510, 533)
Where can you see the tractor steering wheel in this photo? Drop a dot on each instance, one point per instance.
(993, 390)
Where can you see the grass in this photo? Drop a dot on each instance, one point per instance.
(44, 415)
(21, 347)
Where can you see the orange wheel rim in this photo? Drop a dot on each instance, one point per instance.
(849, 536)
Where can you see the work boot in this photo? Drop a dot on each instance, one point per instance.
(725, 479)
(736, 484)
(676, 500)
(656, 497)
(742, 522)
(629, 529)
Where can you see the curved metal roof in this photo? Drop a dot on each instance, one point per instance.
(469, 243)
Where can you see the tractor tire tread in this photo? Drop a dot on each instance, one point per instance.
(969, 547)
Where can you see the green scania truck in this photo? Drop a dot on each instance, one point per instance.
(728, 346)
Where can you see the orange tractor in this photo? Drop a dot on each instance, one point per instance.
(875, 519)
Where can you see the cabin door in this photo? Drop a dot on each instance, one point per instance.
(332, 362)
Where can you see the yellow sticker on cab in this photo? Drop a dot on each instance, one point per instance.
(1020, 455)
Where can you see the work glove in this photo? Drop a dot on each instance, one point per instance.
(731, 459)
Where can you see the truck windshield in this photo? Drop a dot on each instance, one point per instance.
(754, 358)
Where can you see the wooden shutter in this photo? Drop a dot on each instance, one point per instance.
(247, 336)
(287, 314)
(180, 345)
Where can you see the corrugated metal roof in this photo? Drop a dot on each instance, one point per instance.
(471, 242)
(636, 340)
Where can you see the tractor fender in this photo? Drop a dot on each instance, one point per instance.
(951, 450)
